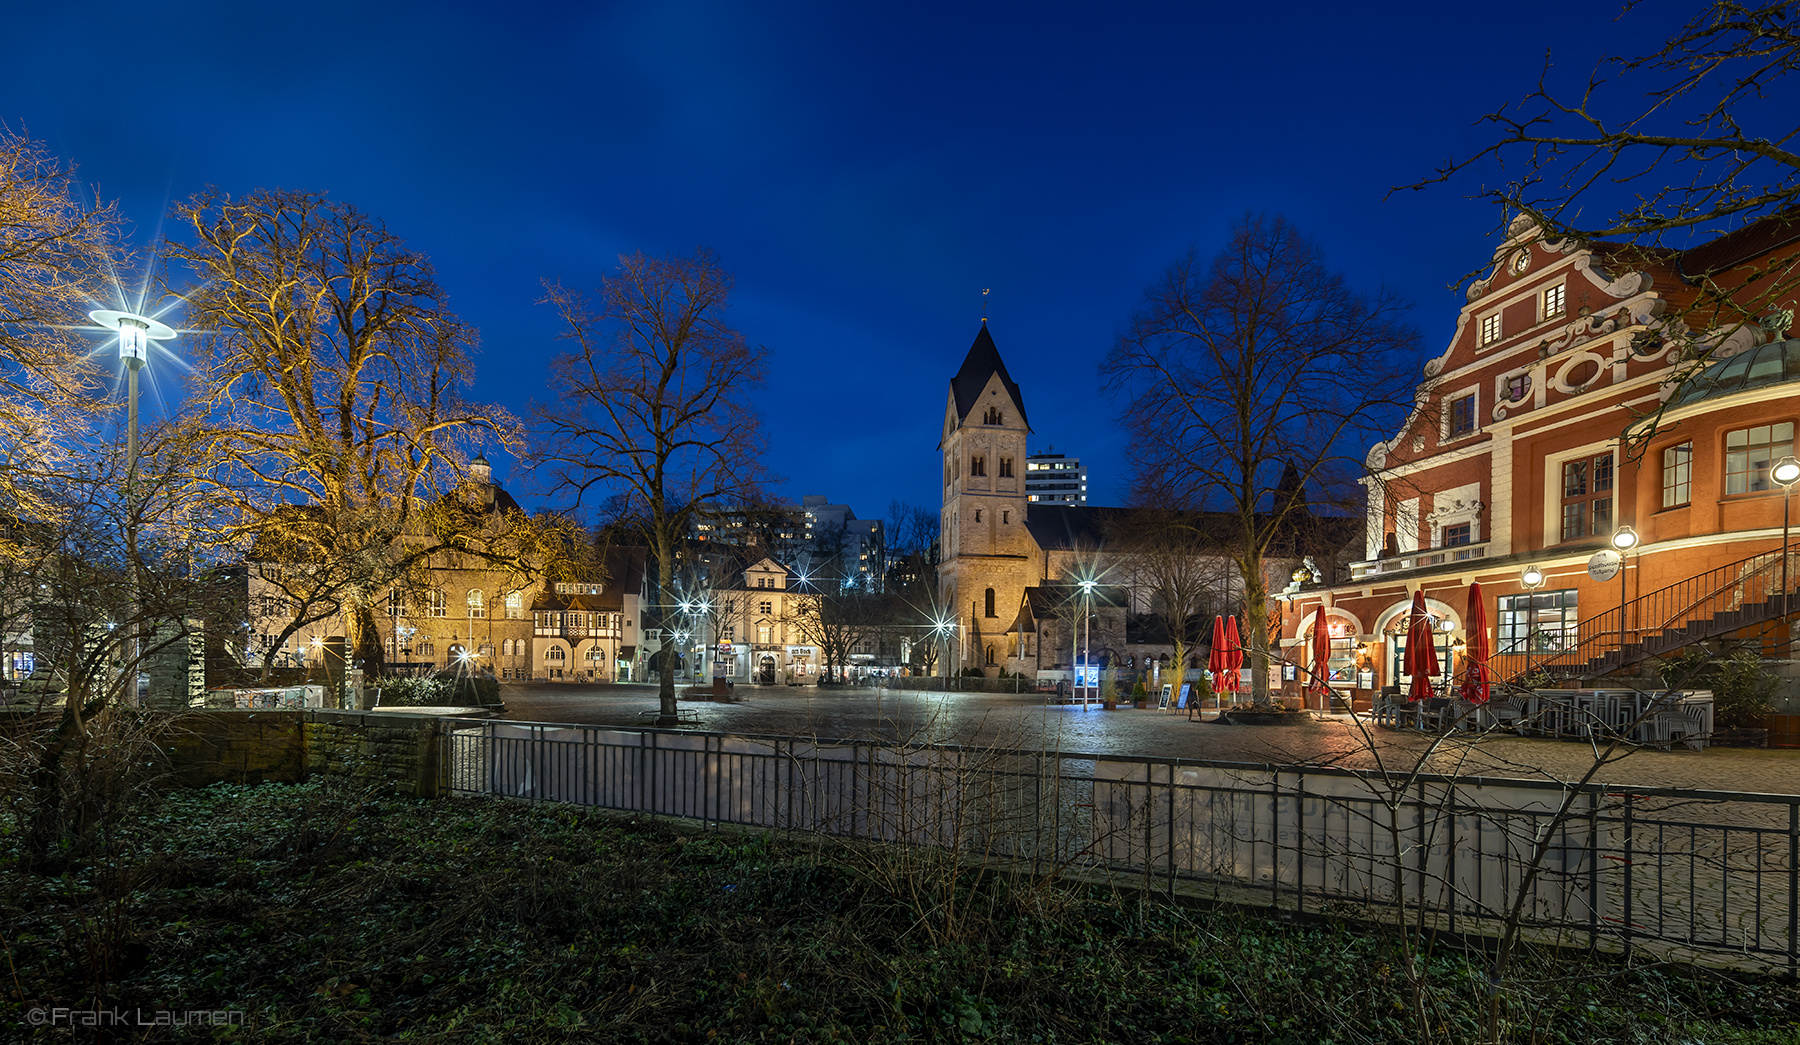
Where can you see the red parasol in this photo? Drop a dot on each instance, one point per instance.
(1421, 650)
(1234, 656)
(1216, 659)
(1321, 666)
(1475, 651)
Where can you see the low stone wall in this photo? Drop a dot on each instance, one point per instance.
(401, 749)
(242, 747)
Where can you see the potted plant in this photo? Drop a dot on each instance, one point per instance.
(1139, 695)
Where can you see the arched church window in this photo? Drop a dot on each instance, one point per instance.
(990, 608)
(993, 416)
(1006, 468)
(978, 515)
(977, 465)
(990, 656)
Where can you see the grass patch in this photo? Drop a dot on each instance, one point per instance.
(329, 914)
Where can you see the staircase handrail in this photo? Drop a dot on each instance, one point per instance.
(1603, 628)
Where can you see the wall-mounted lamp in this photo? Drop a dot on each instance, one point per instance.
(1532, 577)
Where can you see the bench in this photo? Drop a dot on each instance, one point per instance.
(683, 716)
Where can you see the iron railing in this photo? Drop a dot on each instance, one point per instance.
(1704, 606)
(1696, 875)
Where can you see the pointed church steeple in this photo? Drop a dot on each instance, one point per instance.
(983, 362)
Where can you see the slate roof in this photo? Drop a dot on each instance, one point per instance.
(982, 362)
(1740, 245)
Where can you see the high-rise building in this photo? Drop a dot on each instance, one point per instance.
(1055, 478)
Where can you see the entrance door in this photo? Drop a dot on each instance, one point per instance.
(765, 673)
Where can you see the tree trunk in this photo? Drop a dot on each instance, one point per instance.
(1253, 629)
(665, 582)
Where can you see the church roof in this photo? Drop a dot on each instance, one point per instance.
(982, 362)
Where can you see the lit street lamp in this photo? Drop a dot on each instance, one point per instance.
(135, 334)
(1532, 578)
(1623, 540)
(1786, 473)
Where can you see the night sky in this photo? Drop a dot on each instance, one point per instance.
(864, 170)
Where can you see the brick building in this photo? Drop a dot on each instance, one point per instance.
(1565, 416)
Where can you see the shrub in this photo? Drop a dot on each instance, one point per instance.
(1740, 683)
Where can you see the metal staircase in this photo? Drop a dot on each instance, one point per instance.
(1709, 606)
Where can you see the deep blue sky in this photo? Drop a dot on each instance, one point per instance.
(864, 170)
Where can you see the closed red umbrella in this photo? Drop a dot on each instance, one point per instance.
(1421, 651)
(1321, 666)
(1216, 658)
(1475, 649)
(1234, 653)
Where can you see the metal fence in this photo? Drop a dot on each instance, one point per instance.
(1696, 875)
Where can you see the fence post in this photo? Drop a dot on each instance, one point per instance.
(1593, 870)
(1171, 831)
(1300, 842)
(1793, 888)
(1625, 922)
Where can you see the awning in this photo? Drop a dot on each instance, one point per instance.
(627, 652)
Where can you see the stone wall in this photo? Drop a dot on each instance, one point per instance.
(257, 746)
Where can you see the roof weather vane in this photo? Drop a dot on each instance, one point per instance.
(984, 297)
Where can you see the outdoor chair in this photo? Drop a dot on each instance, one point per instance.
(1390, 711)
(1505, 713)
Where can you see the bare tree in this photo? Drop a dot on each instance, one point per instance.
(1175, 558)
(656, 402)
(56, 255)
(1655, 149)
(1230, 372)
(331, 379)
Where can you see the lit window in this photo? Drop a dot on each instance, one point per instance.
(762, 634)
(1490, 329)
(477, 603)
(1587, 497)
(1749, 452)
(1678, 474)
(1462, 416)
(515, 605)
(437, 603)
(1553, 301)
(1541, 622)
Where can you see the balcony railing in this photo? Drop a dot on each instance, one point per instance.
(1421, 559)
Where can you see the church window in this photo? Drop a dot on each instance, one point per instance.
(1006, 468)
(990, 606)
(978, 515)
(1005, 517)
(993, 416)
(978, 465)
(990, 656)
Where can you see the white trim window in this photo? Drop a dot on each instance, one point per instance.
(1678, 474)
(1553, 302)
(1749, 453)
(1489, 329)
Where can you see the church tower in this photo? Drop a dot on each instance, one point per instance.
(986, 553)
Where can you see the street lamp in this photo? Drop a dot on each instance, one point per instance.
(1786, 472)
(135, 334)
(1087, 609)
(1623, 540)
(1532, 578)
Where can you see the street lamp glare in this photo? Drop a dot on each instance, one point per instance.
(1624, 538)
(1532, 577)
(135, 332)
(1786, 471)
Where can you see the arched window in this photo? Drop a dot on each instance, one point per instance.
(515, 605)
(990, 607)
(990, 656)
(436, 600)
(992, 417)
(555, 655)
(396, 602)
(596, 653)
(477, 603)
(506, 647)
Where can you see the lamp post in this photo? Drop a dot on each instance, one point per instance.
(1623, 540)
(135, 334)
(1786, 472)
(1087, 608)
